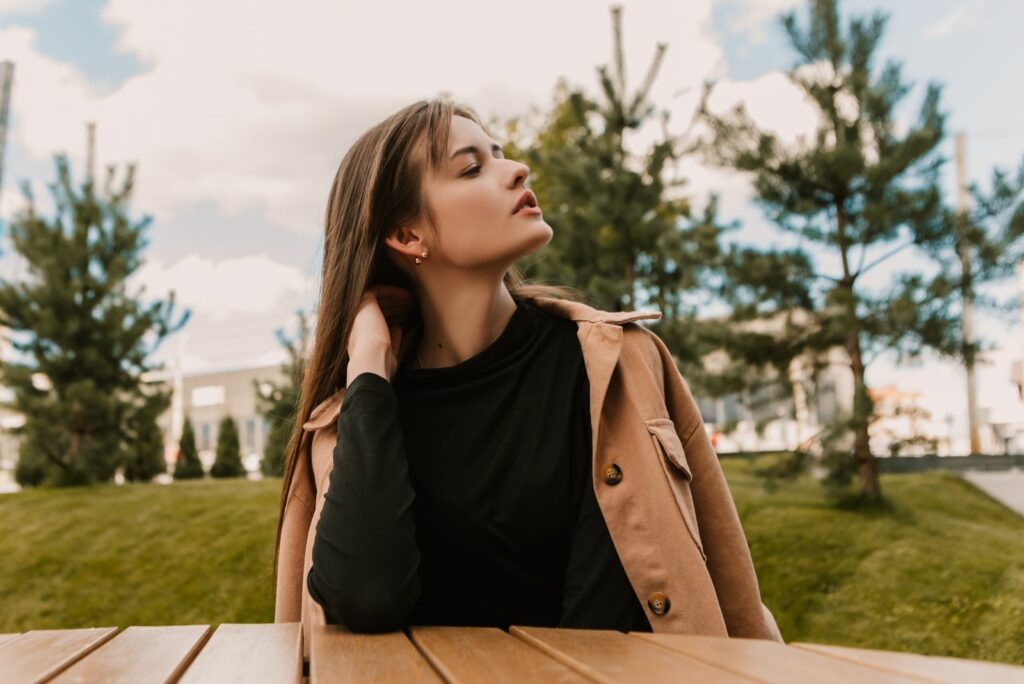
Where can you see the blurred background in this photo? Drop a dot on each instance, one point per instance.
(825, 201)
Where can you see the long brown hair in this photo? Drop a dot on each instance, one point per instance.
(377, 186)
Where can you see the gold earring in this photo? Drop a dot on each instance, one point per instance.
(424, 255)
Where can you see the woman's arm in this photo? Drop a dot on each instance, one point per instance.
(365, 557)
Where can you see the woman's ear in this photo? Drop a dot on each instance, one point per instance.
(404, 242)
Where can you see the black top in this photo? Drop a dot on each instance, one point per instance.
(463, 495)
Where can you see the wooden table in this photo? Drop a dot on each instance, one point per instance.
(273, 653)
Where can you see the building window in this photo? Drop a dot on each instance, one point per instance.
(250, 433)
(211, 395)
(204, 432)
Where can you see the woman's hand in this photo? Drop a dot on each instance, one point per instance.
(376, 333)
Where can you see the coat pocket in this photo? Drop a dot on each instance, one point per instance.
(663, 431)
(677, 470)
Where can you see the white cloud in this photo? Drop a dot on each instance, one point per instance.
(253, 107)
(772, 101)
(23, 6)
(941, 28)
(272, 358)
(217, 290)
(236, 304)
(12, 201)
(49, 98)
(754, 15)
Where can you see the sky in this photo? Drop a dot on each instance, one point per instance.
(237, 115)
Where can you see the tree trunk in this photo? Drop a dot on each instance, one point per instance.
(867, 469)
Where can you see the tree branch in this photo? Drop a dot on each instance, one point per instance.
(882, 258)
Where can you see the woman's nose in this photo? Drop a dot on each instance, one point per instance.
(521, 171)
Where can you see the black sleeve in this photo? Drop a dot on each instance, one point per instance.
(365, 558)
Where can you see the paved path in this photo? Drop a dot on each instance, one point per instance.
(1007, 486)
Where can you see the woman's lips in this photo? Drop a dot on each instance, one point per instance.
(528, 210)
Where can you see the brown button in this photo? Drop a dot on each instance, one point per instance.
(612, 474)
(659, 603)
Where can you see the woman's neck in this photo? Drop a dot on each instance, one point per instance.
(461, 327)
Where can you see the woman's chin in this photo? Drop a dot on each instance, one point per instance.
(540, 234)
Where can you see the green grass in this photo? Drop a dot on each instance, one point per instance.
(942, 572)
(197, 552)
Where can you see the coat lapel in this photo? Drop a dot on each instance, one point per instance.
(600, 335)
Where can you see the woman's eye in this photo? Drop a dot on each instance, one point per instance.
(473, 170)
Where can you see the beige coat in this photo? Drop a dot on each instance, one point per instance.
(656, 476)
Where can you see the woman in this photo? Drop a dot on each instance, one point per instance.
(505, 453)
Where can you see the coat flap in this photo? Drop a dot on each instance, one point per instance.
(621, 317)
(582, 312)
(325, 413)
(664, 432)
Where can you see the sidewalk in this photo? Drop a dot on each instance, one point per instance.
(1006, 487)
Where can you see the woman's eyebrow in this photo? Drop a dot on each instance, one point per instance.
(495, 147)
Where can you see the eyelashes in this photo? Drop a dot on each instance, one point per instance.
(475, 169)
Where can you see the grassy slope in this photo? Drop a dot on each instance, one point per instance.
(943, 573)
(187, 553)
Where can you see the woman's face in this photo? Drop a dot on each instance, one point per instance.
(471, 198)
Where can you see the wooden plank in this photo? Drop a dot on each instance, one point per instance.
(339, 656)
(465, 655)
(140, 655)
(249, 653)
(933, 668)
(8, 637)
(609, 656)
(40, 654)
(770, 661)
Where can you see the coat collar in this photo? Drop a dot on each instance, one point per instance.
(326, 412)
(583, 313)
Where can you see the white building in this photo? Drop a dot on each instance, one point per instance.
(208, 397)
(794, 415)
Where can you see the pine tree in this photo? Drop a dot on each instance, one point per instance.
(82, 338)
(623, 233)
(187, 466)
(228, 462)
(279, 402)
(145, 454)
(862, 190)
